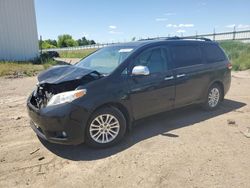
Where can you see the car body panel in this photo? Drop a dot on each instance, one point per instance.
(189, 86)
(62, 73)
(147, 94)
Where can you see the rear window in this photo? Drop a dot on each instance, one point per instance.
(213, 53)
(187, 55)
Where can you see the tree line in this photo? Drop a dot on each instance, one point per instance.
(65, 40)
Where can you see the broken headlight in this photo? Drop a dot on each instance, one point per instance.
(66, 97)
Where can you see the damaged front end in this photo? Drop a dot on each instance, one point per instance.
(56, 81)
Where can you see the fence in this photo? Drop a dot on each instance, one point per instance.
(234, 35)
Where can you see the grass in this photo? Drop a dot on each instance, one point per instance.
(76, 53)
(239, 54)
(17, 69)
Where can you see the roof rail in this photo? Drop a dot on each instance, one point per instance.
(155, 38)
(194, 38)
(173, 38)
(198, 38)
(176, 38)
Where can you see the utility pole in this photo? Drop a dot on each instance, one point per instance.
(214, 35)
(40, 44)
(234, 32)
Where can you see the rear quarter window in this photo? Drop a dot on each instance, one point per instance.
(213, 53)
(185, 55)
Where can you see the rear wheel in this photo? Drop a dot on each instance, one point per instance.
(214, 97)
(106, 127)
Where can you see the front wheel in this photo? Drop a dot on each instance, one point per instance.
(214, 97)
(106, 127)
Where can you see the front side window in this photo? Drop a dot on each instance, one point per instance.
(154, 59)
(186, 55)
(106, 59)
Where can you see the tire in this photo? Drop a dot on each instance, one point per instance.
(213, 98)
(106, 127)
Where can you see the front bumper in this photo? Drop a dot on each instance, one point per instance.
(63, 124)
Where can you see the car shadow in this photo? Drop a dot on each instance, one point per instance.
(160, 124)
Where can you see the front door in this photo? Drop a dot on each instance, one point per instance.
(155, 92)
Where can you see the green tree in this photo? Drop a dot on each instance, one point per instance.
(66, 41)
(83, 41)
(92, 42)
(51, 42)
(46, 45)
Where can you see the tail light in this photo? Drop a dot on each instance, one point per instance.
(229, 66)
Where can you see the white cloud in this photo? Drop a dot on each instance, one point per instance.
(181, 31)
(186, 25)
(202, 3)
(171, 25)
(161, 19)
(241, 26)
(115, 32)
(231, 26)
(180, 25)
(112, 27)
(170, 14)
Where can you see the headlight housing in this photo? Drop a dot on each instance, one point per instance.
(66, 97)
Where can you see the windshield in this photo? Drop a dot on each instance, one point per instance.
(106, 59)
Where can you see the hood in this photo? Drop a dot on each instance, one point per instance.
(62, 73)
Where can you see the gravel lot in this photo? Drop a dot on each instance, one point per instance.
(184, 148)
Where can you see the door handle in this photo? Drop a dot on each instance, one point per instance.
(169, 78)
(180, 75)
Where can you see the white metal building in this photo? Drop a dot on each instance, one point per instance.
(18, 30)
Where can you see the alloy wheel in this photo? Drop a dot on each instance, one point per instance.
(213, 97)
(104, 128)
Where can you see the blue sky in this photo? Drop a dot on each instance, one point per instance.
(114, 20)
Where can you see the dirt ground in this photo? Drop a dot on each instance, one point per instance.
(184, 148)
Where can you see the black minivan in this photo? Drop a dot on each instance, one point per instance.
(97, 100)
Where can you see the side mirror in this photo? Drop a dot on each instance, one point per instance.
(140, 71)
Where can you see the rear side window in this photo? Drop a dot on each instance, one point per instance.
(186, 55)
(213, 53)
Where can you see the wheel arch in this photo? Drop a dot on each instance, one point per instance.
(220, 83)
(121, 108)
